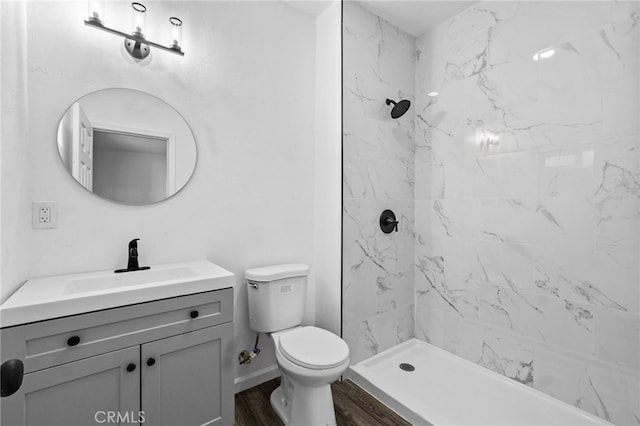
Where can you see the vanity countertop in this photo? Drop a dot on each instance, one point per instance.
(51, 297)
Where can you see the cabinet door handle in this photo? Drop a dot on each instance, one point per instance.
(11, 374)
(151, 361)
(73, 340)
(131, 367)
(194, 314)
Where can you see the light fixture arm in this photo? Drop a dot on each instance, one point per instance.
(135, 44)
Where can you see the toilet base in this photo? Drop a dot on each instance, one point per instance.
(312, 406)
(279, 404)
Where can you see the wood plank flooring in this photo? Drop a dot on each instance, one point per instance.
(353, 406)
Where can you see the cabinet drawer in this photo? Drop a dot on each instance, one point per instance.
(58, 341)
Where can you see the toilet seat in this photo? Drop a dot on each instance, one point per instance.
(313, 348)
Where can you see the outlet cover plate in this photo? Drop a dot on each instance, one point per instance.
(44, 215)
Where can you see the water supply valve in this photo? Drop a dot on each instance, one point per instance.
(245, 356)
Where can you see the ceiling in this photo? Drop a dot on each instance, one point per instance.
(115, 141)
(413, 16)
(418, 16)
(310, 7)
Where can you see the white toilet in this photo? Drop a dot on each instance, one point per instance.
(310, 358)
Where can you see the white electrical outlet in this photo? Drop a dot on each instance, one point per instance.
(45, 215)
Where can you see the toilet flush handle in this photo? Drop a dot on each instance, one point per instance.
(252, 284)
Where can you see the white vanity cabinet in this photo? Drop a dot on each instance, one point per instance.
(165, 362)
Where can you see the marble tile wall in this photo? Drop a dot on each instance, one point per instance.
(378, 170)
(527, 197)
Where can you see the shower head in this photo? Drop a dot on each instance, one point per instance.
(399, 108)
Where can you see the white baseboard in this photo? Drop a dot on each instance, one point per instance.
(256, 378)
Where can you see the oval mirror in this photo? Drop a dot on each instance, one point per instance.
(127, 146)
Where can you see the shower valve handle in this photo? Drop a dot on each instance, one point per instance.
(389, 221)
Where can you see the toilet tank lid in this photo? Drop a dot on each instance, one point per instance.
(277, 272)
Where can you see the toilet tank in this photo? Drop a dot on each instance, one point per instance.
(277, 295)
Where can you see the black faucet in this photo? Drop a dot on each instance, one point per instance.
(132, 264)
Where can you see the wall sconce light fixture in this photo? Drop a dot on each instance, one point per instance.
(136, 43)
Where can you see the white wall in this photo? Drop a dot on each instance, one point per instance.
(328, 173)
(14, 149)
(246, 88)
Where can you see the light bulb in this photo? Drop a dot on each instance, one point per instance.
(176, 32)
(138, 19)
(96, 11)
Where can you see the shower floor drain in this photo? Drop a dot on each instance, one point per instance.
(407, 367)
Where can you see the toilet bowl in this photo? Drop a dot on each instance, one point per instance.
(310, 359)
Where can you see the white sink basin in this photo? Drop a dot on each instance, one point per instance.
(127, 279)
(51, 297)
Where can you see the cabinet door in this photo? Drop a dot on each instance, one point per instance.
(187, 380)
(79, 393)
